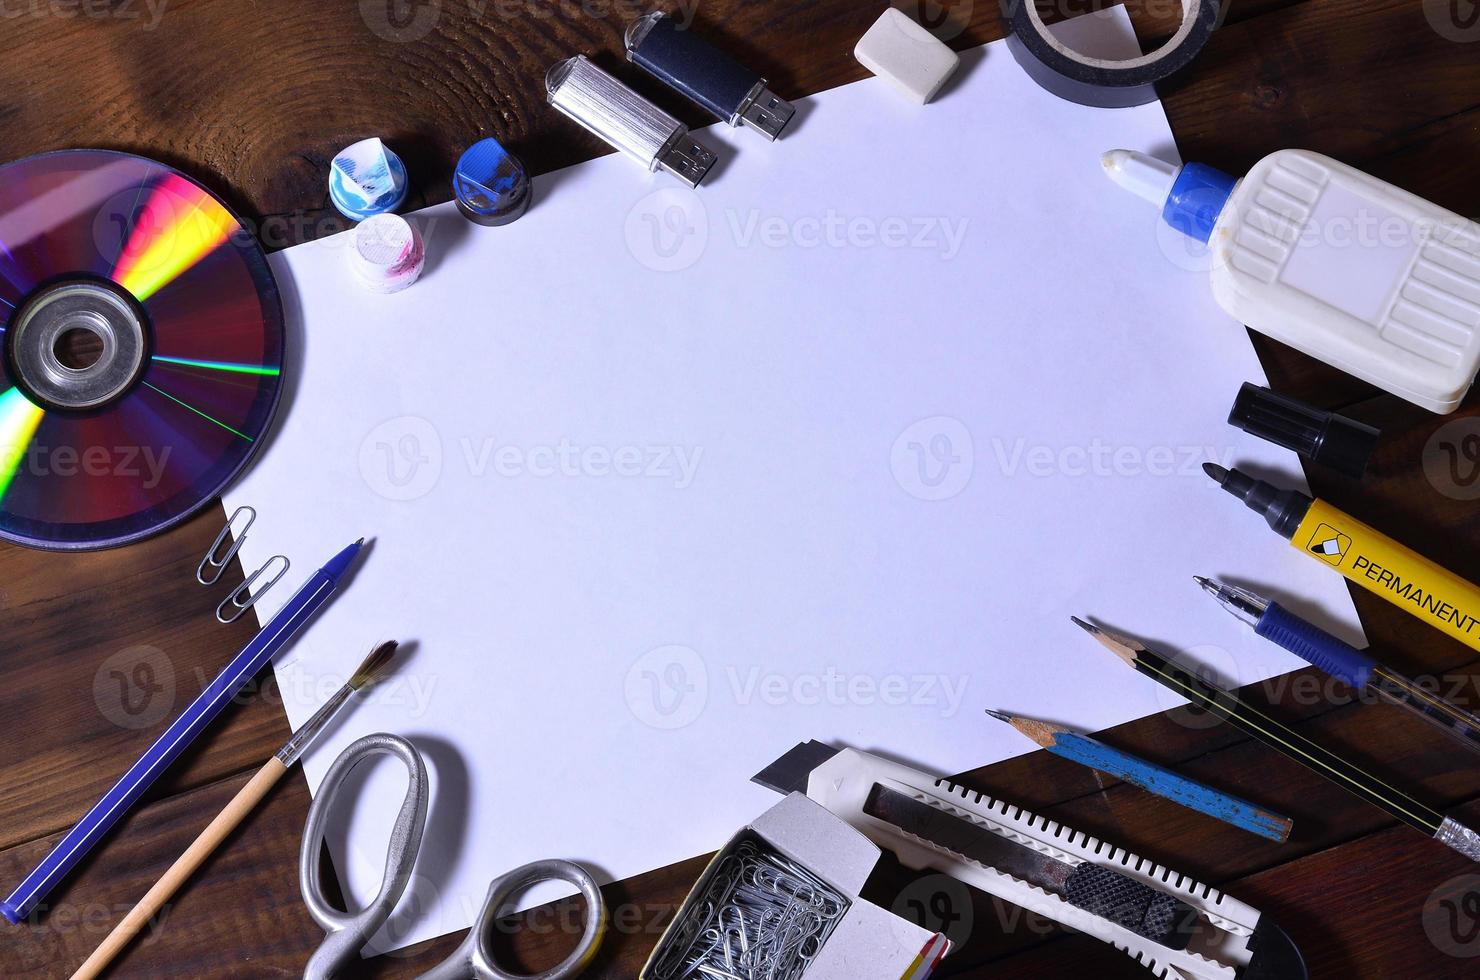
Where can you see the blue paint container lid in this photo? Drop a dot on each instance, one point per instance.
(490, 185)
(366, 179)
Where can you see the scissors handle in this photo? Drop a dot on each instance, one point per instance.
(475, 957)
(350, 931)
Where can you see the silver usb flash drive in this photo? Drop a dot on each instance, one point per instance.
(626, 120)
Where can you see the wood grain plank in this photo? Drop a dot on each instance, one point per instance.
(100, 652)
(240, 917)
(1352, 80)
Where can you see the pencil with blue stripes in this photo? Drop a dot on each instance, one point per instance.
(1163, 782)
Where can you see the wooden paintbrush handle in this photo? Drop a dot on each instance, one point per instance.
(220, 828)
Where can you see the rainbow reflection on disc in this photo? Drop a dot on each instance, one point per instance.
(142, 348)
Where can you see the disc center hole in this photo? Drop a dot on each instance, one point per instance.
(78, 348)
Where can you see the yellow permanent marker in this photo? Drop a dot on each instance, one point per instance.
(1366, 556)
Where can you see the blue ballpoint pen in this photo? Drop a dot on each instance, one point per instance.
(1342, 660)
(71, 849)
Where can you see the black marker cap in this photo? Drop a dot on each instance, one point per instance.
(1322, 437)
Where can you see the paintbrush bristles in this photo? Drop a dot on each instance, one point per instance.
(1124, 648)
(373, 665)
(372, 669)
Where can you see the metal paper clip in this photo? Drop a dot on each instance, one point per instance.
(214, 566)
(762, 915)
(242, 598)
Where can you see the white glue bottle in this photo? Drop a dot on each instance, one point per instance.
(1336, 263)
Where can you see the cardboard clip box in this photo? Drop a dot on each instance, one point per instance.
(868, 942)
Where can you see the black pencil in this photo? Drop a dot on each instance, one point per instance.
(1244, 716)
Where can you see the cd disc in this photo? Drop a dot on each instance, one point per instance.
(142, 348)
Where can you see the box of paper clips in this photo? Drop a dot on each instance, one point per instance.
(781, 900)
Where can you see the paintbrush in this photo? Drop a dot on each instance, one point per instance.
(1227, 705)
(236, 811)
(1169, 785)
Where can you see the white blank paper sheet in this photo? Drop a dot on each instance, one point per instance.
(662, 482)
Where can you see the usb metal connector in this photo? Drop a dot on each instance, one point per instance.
(685, 158)
(766, 112)
(688, 63)
(612, 110)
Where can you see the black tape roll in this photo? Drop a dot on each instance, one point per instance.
(1095, 81)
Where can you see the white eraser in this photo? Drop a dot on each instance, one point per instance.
(910, 57)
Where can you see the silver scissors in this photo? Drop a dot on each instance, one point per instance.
(348, 932)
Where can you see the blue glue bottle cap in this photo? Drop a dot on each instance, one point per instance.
(1196, 199)
(490, 185)
(1191, 198)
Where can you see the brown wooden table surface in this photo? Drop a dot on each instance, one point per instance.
(254, 98)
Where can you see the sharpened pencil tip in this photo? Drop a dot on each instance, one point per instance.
(1000, 715)
(1120, 646)
(1218, 473)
